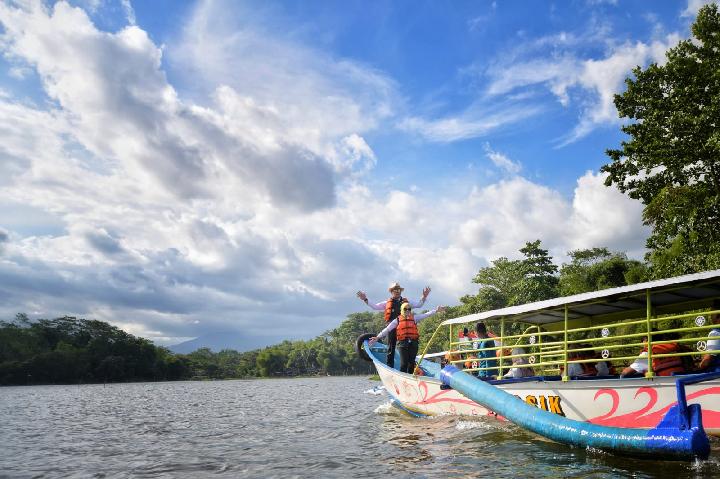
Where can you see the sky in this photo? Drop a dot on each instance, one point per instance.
(191, 169)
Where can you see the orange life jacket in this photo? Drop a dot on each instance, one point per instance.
(668, 365)
(472, 362)
(389, 308)
(452, 356)
(407, 329)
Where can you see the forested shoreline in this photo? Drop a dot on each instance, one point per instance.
(70, 350)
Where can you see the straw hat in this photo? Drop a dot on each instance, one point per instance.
(396, 285)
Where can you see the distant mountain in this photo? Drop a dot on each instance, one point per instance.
(223, 340)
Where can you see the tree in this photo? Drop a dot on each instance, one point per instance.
(539, 280)
(271, 361)
(670, 161)
(597, 268)
(512, 282)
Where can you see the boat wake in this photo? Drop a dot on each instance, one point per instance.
(467, 425)
(376, 391)
(387, 408)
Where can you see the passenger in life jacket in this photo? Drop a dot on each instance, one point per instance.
(407, 335)
(662, 366)
(391, 307)
(711, 362)
(668, 365)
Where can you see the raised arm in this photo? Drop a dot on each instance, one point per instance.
(392, 325)
(376, 306)
(420, 317)
(425, 293)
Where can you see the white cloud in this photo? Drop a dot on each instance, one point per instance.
(693, 6)
(126, 113)
(588, 83)
(604, 78)
(502, 161)
(558, 74)
(472, 123)
(604, 216)
(295, 95)
(129, 11)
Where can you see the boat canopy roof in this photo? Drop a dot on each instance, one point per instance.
(679, 290)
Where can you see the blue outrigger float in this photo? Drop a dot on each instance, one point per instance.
(666, 417)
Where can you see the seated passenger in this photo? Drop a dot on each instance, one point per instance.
(604, 368)
(581, 369)
(637, 368)
(664, 366)
(519, 370)
(710, 362)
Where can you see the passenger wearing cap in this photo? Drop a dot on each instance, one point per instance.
(407, 335)
(391, 307)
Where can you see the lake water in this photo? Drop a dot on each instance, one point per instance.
(317, 427)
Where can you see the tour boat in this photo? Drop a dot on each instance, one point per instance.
(612, 324)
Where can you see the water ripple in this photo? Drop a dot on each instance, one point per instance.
(313, 427)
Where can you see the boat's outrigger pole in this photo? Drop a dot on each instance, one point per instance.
(680, 434)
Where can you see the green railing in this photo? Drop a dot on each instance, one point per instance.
(614, 343)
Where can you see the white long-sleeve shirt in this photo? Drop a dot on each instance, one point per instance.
(381, 305)
(394, 323)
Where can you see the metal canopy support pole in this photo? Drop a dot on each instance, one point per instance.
(565, 376)
(502, 343)
(648, 314)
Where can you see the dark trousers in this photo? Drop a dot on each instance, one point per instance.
(391, 340)
(407, 348)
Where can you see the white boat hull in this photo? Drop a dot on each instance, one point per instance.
(637, 403)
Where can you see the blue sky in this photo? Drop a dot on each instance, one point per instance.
(189, 169)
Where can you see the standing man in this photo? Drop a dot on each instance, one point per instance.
(391, 306)
(408, 336)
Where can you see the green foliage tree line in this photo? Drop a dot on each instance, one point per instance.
(69, 350)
